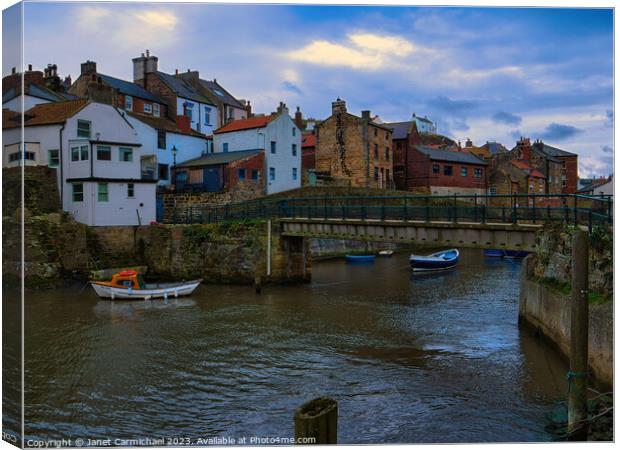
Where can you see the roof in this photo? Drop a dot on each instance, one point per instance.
(400, 130)
(221, 93)
(246, 124)
(495, 148)
(551, 151)
(447, 155)
(422, 119)
(10, 118)
(214, 159)
(129, 88)
(182, 88)
(308, 140)
(526, 167)
(51, 113)
(162, 123)
(37, 91)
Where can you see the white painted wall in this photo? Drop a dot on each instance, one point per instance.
(198, 115)
(15, 104)
(280, 131)
(188, 147)
(47, 138)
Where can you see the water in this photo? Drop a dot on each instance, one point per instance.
(435, 358)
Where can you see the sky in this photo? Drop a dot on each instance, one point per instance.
(488, 74)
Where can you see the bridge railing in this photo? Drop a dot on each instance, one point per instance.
(515, 208)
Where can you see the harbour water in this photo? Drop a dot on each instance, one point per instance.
(424, 358)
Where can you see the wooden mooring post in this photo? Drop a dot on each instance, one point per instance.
(316, 422)
(578, 372)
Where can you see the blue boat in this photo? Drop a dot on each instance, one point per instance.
(446, 259)
(360, 258)
(497, 253)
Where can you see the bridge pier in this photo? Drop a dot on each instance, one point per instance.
(290, 258)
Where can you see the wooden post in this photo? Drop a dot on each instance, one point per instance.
(577, 376)
(318, 420)
(257, 284)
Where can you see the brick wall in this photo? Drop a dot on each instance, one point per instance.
(156, 86)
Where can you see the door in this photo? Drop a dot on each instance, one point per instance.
(212, 180)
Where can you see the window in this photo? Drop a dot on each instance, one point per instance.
(79, 153)
(375, 132)
(447, 170)
(272, 174)
(294, 131)
(125, 154)
(207, 115)
(387, 174)
(78, 192)
(387, 153)
(294, 173)
(387, 135)
(31, 156)
(463, 171)
(435, 168)
(14, 157)
(84, 152)
(273, 146)
(376, 173)
(52, 158)
(128, 103)
(225, 147)
(130, 190)
(563, 183)
(188, 110)
(147, 108)
(294, 149)
(83, 128)
(104, 153)
(478, 173)
(376, 151)
(102, 192)
(75, 153)
(255, 174)
(161, 139)
(156, 112)
(162, 171)
(493, 190)
(241, 174)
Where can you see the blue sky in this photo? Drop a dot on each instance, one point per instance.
(482, 73)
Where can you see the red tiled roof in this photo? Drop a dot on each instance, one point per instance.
(165, 124)
(308, 140)
(525, 166)
(10, 119)
(536, 174)
(53, 113)
(246, 124)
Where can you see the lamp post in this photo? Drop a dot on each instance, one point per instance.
(174, 166)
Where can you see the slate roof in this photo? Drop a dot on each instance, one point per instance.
(129, 88)
(50, 113)
(162, 123)
(400, 130)
(495, 148)
(451, 156)
(246, 124)
(182, 88)
(552, 151)
(37, 91)
(214, 159)
(226, 97)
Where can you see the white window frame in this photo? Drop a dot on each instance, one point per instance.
(129, 103)
(156, 110)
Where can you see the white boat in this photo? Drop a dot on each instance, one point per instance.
(386, 252)
(128, 285)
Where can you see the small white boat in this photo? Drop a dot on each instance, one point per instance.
(129, 285)
(386, 252)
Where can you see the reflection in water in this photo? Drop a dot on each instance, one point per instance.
(409, 358)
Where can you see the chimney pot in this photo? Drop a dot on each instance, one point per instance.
(147, 52)
(366, 114)
(176, 71)
(29, 67)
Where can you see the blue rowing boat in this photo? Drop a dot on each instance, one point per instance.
(498, 253)
(360, 258)
(445, 259)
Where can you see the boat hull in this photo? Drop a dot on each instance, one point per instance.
(447, 259)
(360, 258)
(164, 291)
(498, 253)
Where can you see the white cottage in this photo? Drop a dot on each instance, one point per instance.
(97, 155)
(277, 135)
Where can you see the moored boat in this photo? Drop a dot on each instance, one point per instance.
(446, 259)
(493, 253)
(360, 258)
(499, 253)
(128, 284)
(386, 252)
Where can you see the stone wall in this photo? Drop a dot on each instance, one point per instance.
(40, 190)
(548, 310)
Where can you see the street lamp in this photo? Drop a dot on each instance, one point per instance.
(174, 166)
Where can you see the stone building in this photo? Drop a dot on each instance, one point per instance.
(509, 177)
(353, 150)
(569, 172)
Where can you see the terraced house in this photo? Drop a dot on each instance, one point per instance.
(353, 151)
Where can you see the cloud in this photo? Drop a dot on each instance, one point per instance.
(507, 118)
(452, 107)
(366, 51)
(288, 86)
(141, 27)
(610, 118)
(607, 149)
(558, 131)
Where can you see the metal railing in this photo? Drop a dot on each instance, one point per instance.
(574, 209)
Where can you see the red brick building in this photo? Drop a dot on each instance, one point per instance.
(569, 172)
(308, 151)
(218, 172)
(445, 172)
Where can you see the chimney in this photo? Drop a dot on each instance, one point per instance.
(176, 71)
(282, 109)
(139, 66)
(366, 115)
(13, 70)
(248, 109)
(299, 119)
(183, 123)
(339, 106)
(29, 67)
(88, 67)
(526, 148)
(469, 143)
